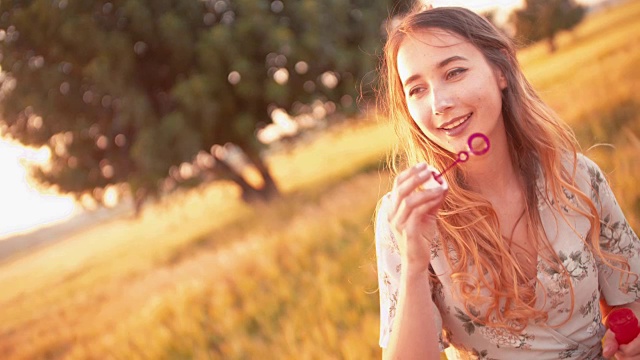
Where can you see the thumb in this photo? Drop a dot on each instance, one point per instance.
(609, 344)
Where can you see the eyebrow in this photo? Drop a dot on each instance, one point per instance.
(440, 65)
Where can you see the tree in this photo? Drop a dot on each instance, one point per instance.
(125, 91)
(544, 19)
(492, 17)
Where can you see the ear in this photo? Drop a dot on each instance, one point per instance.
(502, 80)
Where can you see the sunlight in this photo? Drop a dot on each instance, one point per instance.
(23, 208)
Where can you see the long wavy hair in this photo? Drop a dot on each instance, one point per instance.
(540, 147)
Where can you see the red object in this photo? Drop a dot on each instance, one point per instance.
(624, 325)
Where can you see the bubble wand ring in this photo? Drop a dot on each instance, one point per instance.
(463, 156)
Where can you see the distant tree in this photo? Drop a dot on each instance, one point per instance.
(544, 19)
(491, 16)
(125, 91)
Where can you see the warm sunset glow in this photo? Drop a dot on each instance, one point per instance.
(23, 208)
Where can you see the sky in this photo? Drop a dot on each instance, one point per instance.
(23, 209)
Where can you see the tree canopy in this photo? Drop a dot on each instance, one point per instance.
(124, 91)
(543, 19)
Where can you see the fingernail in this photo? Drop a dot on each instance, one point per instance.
(421, 166)
(606, 349)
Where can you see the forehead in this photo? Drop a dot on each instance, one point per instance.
(425, 49)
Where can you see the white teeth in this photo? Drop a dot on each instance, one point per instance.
(457, 123)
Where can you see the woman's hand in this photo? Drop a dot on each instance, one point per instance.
(630, 351)
(610, 345)
(413, 214)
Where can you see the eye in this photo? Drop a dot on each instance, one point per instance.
(455, 72)
(416, 90)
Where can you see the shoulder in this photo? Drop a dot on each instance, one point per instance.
(383, 234)
(382, 213)
(587, 174)
(587, 165)
(384, 203)
(590, 173)
(579, 161)
(592, 181)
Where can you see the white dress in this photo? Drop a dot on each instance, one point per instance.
(580, 336)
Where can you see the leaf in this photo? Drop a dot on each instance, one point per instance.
(575, 256)
(469, 328)
(462, 315)
(562, 256)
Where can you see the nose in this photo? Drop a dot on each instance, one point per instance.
(441, 100)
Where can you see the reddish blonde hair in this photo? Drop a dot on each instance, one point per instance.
(539, 145)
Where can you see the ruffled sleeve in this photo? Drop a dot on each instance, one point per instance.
(389, 267)
(616, 237)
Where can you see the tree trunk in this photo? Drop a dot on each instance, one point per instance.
(551, 41)
(249, 194)
(139, 199)
(270, 188)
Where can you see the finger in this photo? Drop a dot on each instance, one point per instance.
(410, 185)
(400, 179)
(433, 210)
(407, 173)
(609, 344)
(423, 233)
(419, 204)
(630, 350)
(619, 355)
(429, 211)
(408, 181)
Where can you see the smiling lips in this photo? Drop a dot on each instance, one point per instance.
(454, 123)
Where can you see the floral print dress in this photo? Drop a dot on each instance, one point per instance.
(580, 336)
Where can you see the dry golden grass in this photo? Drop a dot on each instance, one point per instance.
(206, 277)
(91, 282)
(593, 82)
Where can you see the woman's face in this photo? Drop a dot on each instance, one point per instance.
(450, 89)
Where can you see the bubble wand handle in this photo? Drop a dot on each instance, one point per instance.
(464, 155)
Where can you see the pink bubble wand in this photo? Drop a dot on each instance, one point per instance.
(464, 155)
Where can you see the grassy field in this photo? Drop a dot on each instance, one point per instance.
(203, 276)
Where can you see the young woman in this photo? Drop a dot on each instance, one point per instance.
(510, 254)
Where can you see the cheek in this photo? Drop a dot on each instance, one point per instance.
(489, 99)
(491, 95)
(423, 128)
(420, 113)
(475, 92)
